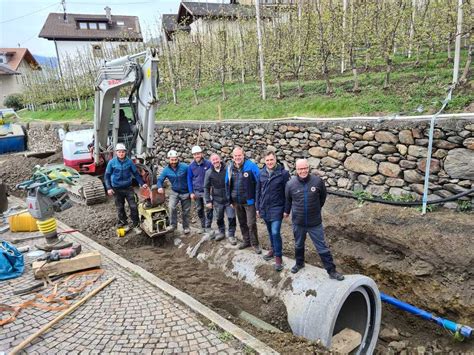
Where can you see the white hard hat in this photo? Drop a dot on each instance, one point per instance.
(172, 154)
(120, 146)
(196, 149)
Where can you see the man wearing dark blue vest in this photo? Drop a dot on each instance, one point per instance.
(242, 185)
(305, 197)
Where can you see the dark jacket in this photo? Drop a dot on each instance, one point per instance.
(214, 186)
(196, 173)
(119, 173)
(305, 199)
(242, 184)
(178, 178)
(271, 197)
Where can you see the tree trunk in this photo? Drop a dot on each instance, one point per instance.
(260, 51)
(465, 73)
(171, 71)
(388, 69)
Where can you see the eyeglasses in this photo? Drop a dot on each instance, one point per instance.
(302, 169)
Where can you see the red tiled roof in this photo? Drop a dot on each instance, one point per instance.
(16, 55)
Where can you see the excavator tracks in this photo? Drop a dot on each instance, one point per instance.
(87, 190)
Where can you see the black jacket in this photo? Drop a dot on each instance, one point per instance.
(214, 186)
(271, 199)
(305, 199)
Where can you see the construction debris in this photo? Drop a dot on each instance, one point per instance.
(81, 262)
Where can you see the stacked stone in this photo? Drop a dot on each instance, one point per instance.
(377, 158)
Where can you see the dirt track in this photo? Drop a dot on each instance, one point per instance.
(427, 261)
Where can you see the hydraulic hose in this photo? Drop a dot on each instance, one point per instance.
(403, 203)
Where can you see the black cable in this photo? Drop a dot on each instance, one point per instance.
(402, 203)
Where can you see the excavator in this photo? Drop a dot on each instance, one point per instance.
(88, 151)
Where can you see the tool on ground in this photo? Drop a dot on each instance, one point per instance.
(56, 297)
(71, 309)
(459, 331)
(45, 197)
(66, 253)
(36, 286)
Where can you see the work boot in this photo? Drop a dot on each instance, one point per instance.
(170, 228)
(244, 245)
(257, 249)
(186, 230)
(137, 230)
(219, 236)
(232, 241)
(278, 264)
(336, 275)
(122, 224)
(268, 256)
(296, 268)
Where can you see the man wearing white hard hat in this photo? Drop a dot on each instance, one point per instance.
(118, 181)
(196, 173)
(177, 174)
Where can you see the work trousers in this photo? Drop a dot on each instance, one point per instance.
(274, 235)
(247, 216)
(219, 210)
(120, 195)
(185, 200)
(205, 214)
(316, 234)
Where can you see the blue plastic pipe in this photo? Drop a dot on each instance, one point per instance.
(464, 330)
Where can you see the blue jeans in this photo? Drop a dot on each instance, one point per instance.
(274, 235)
(316, 234)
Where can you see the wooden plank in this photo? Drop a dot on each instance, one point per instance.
(81, 262)
(43, 154)
(345, 341)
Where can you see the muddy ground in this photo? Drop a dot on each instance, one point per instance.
(427, 261)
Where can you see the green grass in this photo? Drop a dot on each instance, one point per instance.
(414, 90)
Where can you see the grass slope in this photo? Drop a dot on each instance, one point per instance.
(414, 90)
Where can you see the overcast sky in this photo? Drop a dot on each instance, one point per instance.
(21, 20)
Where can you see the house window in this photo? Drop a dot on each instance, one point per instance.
(120, 23)
(102, 26)
(83, 25)
(97, 51)
(92, 25)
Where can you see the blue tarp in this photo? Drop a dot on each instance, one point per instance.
(12, 263)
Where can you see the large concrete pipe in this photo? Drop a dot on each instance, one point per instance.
(317, 307)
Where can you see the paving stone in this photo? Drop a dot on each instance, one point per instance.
(129, 316)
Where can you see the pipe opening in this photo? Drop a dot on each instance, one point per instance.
(357, 313)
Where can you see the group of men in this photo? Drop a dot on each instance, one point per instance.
(239, 189)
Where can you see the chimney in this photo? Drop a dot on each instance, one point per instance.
(108, 14)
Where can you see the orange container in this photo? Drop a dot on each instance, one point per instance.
(22, 222)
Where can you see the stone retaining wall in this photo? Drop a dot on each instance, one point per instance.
(378, 157)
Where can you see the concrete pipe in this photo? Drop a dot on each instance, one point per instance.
(317, 307)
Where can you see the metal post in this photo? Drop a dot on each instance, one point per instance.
(457, 47)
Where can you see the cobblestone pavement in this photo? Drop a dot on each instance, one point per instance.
(128, 316)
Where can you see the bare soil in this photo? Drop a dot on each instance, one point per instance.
(424, 260)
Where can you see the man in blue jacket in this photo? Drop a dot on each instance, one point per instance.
(242, 182)
(118, 181)
(177, 173)
(271, 204)
(305, 197)
(196, 173)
